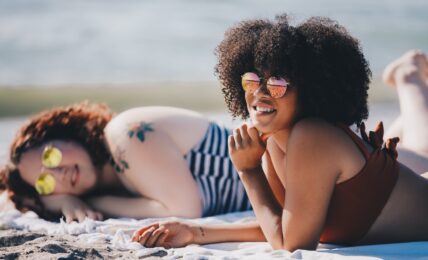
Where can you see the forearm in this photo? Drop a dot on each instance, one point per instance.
(236, 232)
(139, 207)
(265, 206)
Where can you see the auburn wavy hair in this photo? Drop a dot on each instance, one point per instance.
(83, 123)
(318, 57)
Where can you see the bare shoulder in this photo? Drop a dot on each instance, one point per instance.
(327, 144)
(313, 139)
(317, 131)
(322, 143)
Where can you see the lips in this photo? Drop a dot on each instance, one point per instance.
(75, 175)
(263, 108)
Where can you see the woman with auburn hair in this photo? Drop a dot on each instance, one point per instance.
(80, 161)
(308, 176)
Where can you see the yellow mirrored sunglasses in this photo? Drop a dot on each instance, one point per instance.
(51, 158)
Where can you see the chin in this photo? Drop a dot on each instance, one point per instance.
(263, 125)
(263, 129)
(267, 128)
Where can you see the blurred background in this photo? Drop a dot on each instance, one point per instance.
(155, 52)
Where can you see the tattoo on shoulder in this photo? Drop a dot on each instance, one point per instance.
(140, 130)
(120, 164)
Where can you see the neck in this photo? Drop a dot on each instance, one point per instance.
(281, 138)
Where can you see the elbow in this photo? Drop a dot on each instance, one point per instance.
(293, 246)
(291, 249)
(278, 243)
(278, 246)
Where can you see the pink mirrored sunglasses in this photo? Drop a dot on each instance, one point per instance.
(277, 87)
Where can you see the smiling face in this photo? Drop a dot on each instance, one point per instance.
(74, 175)
(268, 114)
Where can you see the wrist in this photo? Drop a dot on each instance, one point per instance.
(199, 234)
(253, 170)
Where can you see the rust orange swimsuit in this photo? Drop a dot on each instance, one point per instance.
(358, 201)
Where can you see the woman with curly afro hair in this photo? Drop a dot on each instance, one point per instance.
(79, 161)
(308, 176)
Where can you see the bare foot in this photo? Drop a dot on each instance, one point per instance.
(412, 63)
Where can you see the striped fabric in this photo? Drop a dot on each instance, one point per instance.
(218, 181)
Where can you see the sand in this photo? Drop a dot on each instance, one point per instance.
(21, 243)
(18, 244)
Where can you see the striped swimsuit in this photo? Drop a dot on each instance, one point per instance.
(217, 179)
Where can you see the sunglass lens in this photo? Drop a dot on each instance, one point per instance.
(277, 91)
(51, 157)
(250, 82)
(45, 184)
(277, 87)
(250, 86)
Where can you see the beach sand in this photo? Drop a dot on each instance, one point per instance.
(19, 244)
(25, 244)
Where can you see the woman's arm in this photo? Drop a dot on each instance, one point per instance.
(246, 150)
(314, 163)
(310, 176)
(236, 232)
(130, 207)
(266, 208)
(180, 233)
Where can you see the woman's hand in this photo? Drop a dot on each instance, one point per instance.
(246, 148)
(75, 209)
(71, 207)
(166, 234)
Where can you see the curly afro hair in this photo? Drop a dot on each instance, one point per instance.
(318, 57)
(83, 123)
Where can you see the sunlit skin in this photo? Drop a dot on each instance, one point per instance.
(291, 177)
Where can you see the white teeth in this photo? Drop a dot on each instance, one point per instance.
(264, 109)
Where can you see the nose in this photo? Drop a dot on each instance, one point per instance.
(262, 90)
(59, 173)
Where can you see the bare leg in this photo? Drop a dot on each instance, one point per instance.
(413, 160)
(409, 75)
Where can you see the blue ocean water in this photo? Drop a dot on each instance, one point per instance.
(47, 42)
